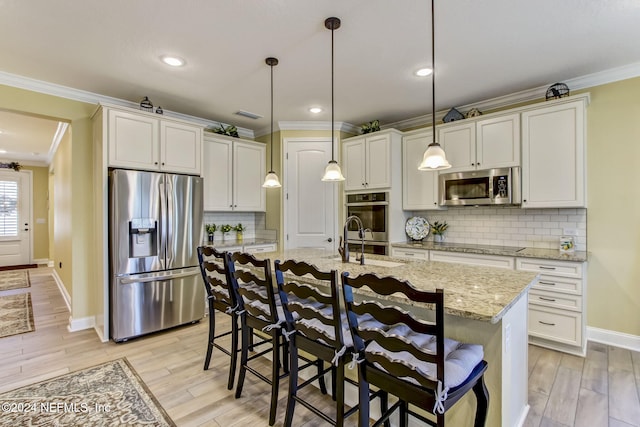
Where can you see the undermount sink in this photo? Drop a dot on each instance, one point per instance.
(368, 261)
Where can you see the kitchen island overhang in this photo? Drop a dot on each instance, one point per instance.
(483, 305)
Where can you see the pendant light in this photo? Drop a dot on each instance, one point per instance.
(434, 157)
(332, 171)
(271, 180)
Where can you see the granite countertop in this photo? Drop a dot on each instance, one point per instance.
(472, 292)
(515, 251)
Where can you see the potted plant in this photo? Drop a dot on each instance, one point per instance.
(239, 229)
(211, 229)
(438, 230)
(225, 229)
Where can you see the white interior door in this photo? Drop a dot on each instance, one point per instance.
(15, 218)
(310, 204)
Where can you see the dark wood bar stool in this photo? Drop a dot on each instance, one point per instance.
(315, 326)
(220, 297)
(411, 360)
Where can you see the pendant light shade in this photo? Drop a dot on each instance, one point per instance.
(332, 171)
(271, 180)
(434, 157)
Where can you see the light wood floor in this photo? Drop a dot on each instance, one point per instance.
(599, 390)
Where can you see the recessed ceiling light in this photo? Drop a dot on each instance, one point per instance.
(423, 72)
(315, 110)
(174, 61)
(3, 151)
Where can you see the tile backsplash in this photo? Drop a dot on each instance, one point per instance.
(511, 226)
(253, 221)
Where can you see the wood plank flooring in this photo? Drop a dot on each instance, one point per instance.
(599, 390)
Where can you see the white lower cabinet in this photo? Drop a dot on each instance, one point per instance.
(497, 261)
(557, 304)
(407, 253)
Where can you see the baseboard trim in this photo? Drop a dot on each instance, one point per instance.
(42, 261)
(616, 339)
(81, 323)
(62, 289)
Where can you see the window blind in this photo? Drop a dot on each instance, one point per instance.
(8, 208)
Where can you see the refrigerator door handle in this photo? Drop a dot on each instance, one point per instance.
(169, 218)
(129, 280)
(162, 256)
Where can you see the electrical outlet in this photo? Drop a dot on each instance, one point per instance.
(569, 231)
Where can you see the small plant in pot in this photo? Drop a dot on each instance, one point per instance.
(225, 229)
(438, 229)
(239, 231)
(211, 229)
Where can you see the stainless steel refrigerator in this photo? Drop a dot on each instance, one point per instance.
(155, 226)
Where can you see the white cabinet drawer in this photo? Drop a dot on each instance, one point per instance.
(410, 253)
(555, 299)
(556, 325)
(559, 284)
(253, 249)
(560, 268)
(473, 259)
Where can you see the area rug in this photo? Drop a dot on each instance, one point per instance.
(110, 394)
(14, 279)
(16, 314)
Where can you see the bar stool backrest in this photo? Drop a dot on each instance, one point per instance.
(402, 328)
(216, 279)
(251, 280)
(311, 309)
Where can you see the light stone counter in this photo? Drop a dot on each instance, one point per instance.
(518, 252)
(471, 292)
(483, 305)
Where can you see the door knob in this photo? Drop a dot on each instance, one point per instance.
(329, 240)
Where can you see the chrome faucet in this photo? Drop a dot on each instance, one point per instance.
(343, 248)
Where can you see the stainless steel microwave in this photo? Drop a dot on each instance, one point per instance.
(482, 187)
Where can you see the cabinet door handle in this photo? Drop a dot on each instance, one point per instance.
(546, 323)
(542, 267)
(547, 299)
(547, 283)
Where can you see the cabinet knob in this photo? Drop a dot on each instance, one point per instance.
(525, 200)
(329, 240)
(363, 184)
(230, 206)
(478, 164)
(155, 163)
(473, 164)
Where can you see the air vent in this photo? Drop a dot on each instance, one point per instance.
(249, 115)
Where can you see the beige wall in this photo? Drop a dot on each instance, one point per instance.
(613, 226)
(40, 201)
(77, 212)
(62, 221)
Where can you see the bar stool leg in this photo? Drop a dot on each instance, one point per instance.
(275, 376)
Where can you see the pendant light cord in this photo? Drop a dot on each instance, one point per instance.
(433, 73)
(332, 111)
(271, 117)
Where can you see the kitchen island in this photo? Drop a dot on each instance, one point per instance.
(483, 305)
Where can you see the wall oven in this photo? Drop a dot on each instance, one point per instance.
(373, 211)
(484, 187)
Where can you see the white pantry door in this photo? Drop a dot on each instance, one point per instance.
(15, 213)
(310, 204)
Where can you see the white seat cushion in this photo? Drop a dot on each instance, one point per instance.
(459, 360)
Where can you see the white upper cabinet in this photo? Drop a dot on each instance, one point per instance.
(180, 147)
(233, 172)
(459, 144)
(553, 156)
(498, 142)
(482, 143)
(419, 188)
(140, 141)
(367, 160)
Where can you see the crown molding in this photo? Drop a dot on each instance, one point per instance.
(313, 125)
(47, 88)
(577, 83)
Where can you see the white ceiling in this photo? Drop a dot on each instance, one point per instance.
(484, 49)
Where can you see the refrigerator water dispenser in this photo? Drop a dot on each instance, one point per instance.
(143, 237)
